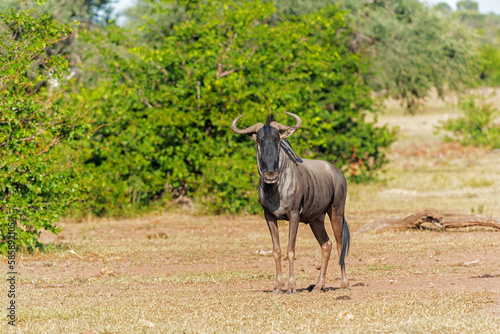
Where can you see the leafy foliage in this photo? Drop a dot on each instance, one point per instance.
(64, 11)
(443, 8)
(414, 49)
(487, 27)
(154, 20)
(467, 5)
(165, 109)
(477, 126)
(418, 51)
(489, 63)
(36, 185)
(78, 15)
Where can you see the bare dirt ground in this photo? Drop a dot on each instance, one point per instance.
(178, 272)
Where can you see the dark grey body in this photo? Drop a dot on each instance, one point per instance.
(306, 191)
(306, 186)
(298, 190)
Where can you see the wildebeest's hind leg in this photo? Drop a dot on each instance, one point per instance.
(342, 237)
(318, 228)
(272, 223)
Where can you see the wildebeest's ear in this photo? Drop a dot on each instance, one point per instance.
(288, 132)
(253, 136)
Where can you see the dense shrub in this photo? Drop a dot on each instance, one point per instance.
(36, 184)
(489, 62)
(165, 109)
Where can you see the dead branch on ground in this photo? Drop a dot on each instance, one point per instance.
(436, 219)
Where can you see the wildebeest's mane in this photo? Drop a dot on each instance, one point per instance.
(287, 148)
(269, 119)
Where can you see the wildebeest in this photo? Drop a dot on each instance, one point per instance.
(298, 190)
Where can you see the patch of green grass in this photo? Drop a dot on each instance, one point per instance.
(384, 267)
(479, 210)
(478, 182)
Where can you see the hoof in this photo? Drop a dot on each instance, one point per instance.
(276, 292)
(318, 290)
(291, 291)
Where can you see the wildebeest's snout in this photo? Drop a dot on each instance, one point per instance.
(270, 177)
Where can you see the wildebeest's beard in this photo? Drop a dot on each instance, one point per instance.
(268, 143)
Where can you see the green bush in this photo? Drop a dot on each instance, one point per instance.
(37, 185)
(489, 63)
(477, 126)
(163, 112)
(414, 49)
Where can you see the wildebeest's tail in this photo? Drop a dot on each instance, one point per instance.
(346, 241)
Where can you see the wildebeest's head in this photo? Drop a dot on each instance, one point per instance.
(268, 139)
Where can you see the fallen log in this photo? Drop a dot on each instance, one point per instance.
(436, 219)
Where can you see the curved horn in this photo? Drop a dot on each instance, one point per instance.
(289, 130)
(253, 128)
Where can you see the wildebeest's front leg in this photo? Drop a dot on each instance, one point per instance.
(272, 223)
(292, 238)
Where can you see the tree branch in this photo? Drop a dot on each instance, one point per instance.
(436, 219)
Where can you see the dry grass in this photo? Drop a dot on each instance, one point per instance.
(424, 172)
(417, 281)
(179, 273)
(150, 308)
